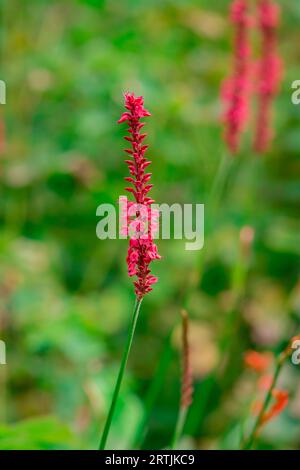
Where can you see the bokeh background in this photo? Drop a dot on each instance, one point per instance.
(65, 298)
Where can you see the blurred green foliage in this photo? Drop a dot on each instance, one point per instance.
(65, 300)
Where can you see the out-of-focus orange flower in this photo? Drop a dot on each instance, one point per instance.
(281, 401)
(259, 362)
(275, 400)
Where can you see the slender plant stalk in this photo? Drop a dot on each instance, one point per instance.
(179, 426)
(121, 374)
(253, 434)
(220, 180)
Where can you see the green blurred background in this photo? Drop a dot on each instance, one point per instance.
(66, 300)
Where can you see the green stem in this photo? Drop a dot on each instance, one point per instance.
(220, 180)
(253, 434)
(179, 426)
(121, 374)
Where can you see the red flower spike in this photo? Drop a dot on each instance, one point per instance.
(269, 71)
(235, 89)
(142, 250)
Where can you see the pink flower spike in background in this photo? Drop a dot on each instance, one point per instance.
(269, 73)
(235, 89)
(142, 250)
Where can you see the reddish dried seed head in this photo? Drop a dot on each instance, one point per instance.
(187, 378)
